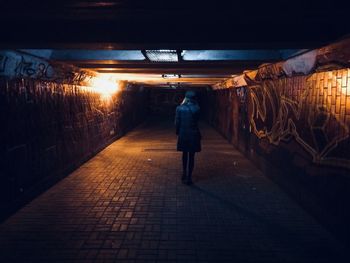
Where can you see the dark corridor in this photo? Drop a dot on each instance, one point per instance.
(89, 170)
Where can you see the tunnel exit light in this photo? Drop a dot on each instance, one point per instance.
(162, 55)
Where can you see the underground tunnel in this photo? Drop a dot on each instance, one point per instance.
(89, 165)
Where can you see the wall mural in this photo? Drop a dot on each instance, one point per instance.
(313, 110)
(298, 125)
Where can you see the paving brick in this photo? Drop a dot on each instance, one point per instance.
(127, 204)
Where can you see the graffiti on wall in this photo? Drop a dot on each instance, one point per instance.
(28, 68)
(57, 125)
(17, 65)
(314, 111)
(242, 94)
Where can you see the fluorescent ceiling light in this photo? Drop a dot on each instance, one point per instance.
(162, 55)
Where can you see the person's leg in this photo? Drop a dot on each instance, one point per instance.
(184, 164)
(190, 167)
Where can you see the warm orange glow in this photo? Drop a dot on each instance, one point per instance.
(158, 80)
(105, 84)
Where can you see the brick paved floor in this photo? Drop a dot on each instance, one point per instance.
(127, 204)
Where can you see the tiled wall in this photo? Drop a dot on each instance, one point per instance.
(47, 129)
(227, 112)
(313, 111)
(296, 129)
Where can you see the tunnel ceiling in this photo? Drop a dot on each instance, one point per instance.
(166, 67)
(206, 41)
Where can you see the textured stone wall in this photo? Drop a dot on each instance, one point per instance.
(49, 128)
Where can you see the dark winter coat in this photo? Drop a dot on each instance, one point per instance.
(186, 122)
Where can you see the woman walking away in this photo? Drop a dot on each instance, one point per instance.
(189, 136)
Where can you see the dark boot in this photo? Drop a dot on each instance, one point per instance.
(184, 166)
(189, 181)
(190, 169)
(183, 178)
(189, 178)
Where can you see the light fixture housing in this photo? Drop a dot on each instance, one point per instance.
(171, 76)
(162, 55)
